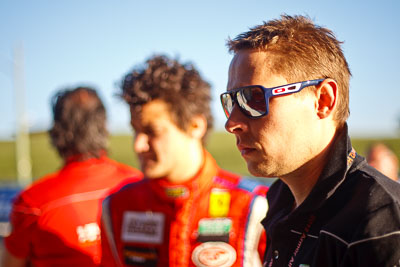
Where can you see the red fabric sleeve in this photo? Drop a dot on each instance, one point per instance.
(23, 219)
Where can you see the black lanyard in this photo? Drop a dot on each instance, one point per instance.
(303, 236)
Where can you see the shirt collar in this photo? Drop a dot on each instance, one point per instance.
(85, 157)
(200, 182)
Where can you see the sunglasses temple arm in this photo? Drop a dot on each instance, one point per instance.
(312, 82)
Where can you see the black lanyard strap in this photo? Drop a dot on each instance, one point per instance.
(303, 236)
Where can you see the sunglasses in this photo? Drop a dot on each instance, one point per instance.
(253, 100)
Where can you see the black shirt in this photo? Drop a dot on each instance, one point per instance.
(350, 218)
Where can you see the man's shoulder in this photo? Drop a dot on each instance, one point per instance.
(368, 203)
(382, 196)
(97, 174)
(132, 189)
(380, 190)
(78, 177)
(364, 190)
(34, 194)
(30, 200)
(361, 217)
(122, 168)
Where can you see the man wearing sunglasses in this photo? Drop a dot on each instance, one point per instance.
(287, 105)
(187, 211)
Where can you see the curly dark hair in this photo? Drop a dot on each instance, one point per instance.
(300, 50)
(79, 123)
(179, 85)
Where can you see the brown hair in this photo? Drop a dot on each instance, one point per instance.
(79, 123)
(179, 85)
(300, 50)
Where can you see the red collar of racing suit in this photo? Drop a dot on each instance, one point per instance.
(85, 157)
(199, 183)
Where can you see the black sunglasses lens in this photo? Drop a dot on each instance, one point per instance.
(252, 101)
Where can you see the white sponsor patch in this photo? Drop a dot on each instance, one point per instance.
(214, 254)
(143, 227)
(88, 233)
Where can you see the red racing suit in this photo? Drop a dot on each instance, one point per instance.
(55, 222)
(211, 220)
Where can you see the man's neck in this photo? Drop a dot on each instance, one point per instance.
(82, 157)
(302, 180)
(189, 166)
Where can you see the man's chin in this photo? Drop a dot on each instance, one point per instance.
(257, 170)
(151, 173)
(152, 177)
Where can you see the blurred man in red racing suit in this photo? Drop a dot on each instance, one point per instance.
(56, 220)
(187, 211)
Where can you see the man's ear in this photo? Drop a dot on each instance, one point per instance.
(198, 126)
(326, 98)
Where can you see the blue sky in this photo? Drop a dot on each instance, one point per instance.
(69, 43)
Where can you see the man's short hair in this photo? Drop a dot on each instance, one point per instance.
(79, 123)
(300, 50)
(180, 86)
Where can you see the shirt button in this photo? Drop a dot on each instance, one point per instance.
(276, 254)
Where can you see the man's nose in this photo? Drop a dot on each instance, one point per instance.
(236, 121)
(141, 143)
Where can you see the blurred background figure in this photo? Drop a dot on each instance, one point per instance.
(55, 221)
(384, 160)
(187, 211)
